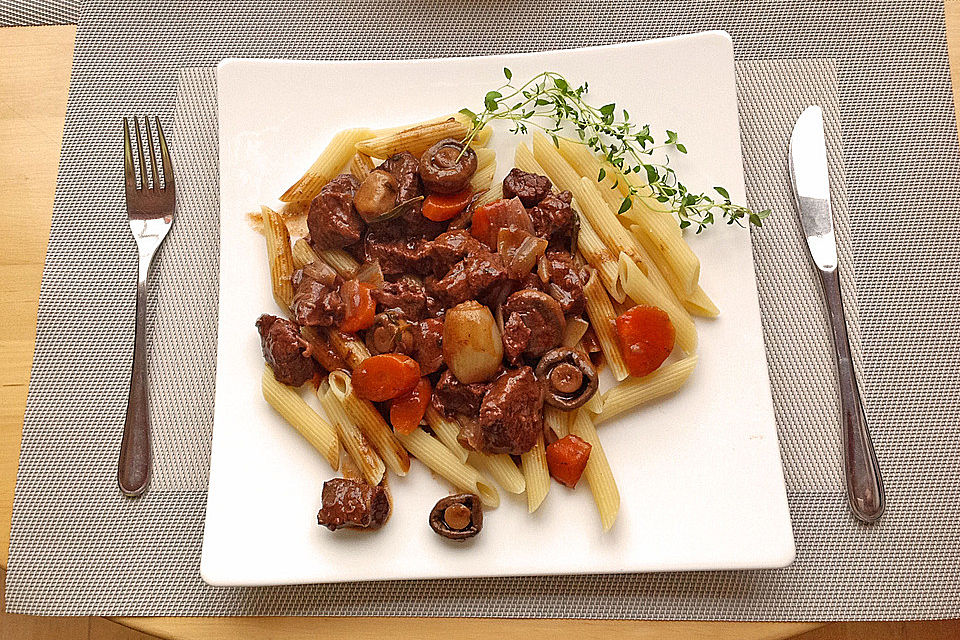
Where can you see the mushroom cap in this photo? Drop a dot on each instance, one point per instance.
(447, 166)
(556, 371)
(439, 524)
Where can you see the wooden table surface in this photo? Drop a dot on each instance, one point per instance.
(35, 64)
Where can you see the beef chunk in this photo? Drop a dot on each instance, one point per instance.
(406, 295)
(511, 416)
(428, 345)
(451, 397)
(451, 247)
(397, 256)
(349, 503)
(476, 277)
(316, 297)
(333, 220)
(565, 282)
(403, 166)
(554, 219)
(284, 351)
(529, 187)
(533, 324)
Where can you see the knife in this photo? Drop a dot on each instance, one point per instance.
(811, 186)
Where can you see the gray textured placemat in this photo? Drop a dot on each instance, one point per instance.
(31, 13)
(77, 547)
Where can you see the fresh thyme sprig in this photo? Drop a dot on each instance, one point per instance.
(548, 102)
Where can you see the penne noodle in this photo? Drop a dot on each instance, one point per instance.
(303, 253)
(557, 420)
(486, 168)
(535, 473)
(320, 349)
(352, 439)
(327, 166)
(494, 193)
(597, 472)
(602, 318)
(642, 291)
(585, 162)
(561, 174)
(447, 432)
(502, 469)
(523, 159)
(279, 257)
(288, 403)
(604, 221)
(441, 461)
(374, 427)
(361, 165)
(599, 257)
(480, 140)
(670, 253)
(342, 262)
(349, 347)
(700, 304)
(416, 139)
(637, 391)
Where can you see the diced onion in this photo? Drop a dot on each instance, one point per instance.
(574, 331)
(370, 273)
(519, 251)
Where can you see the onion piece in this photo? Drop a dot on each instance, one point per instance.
(321, 272)
(519, 251)
(574, 330)
(371, 273)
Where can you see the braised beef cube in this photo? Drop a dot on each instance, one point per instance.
(529, 187)
(428, 345)
(511, 414)
(405, 295)
(470, 279)
(284, 350)
(554, 219)
(451, 397)
(565, 282)
(349, 503)
(333, 221)
(403, 166)
(450, 248)
(532, 324)
(316, 297)
(397, 257)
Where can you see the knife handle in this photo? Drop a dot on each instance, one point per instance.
(861, 469)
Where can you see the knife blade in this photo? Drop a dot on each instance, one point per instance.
(811, 188)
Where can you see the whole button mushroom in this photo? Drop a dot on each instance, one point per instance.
(447, 166)
(568, 377)
(457, 517)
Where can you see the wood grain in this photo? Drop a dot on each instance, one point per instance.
(35, 67)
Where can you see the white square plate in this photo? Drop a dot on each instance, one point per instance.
(699, 473)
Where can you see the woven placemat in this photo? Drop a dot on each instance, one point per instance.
(78, 548)
(32, 13)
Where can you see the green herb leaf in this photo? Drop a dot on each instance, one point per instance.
(681, 148)
(601, 175)
(723, 193)
(625, 205)
(507, 73)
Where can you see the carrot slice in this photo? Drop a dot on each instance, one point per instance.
(440, 206)
(385, 377)
(359, 306)
(646, 338)
(567, 458)
(407, 411)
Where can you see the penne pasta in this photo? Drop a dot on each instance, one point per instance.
(279, 256)
(416, 139)
(604, 221)
(327, 166)
(361, 165)
(301, 416)
(586, 163)
(642, 291)
(441, 461)
(558, 421)
(602, 318)
(523, 159)
(303, 253)
(636, 391)
(349, 347)
(502, 469)
(486, 168)
(354, 442)
(320, 349)
(447, 432)
(660, 235)
(374, 427)
(480, 140)
(561, 174)
(342, 262)
(536, 474)
(494, 193)
(700, 304)
(597, 471)
(599, 257)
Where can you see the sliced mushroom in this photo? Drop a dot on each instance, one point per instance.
(447, 166)
(568, 378)
(457, 517)
(376, 195)
(391, 333)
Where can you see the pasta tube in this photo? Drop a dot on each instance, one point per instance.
(597, 472)
(587, 164)
(641, 291)
(602, 318)
(486, 168)
(502, 469)
(441, 461)
(636, 391)
(700, 304)
(301, 416)
(605, 223)
(599, 257)
(561, 174)
(661, 237)
(346, 345)
(361, 165)
(523, 159)
(356, 444)
(303, 253)
(327, 166)
(480, 140)
(374, 427)
(557, 420)
(535, 473)
(447, 431)
(494, 193)
(416, 139)
(279, 256)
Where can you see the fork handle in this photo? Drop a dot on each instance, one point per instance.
(134, 467)
(861, 469)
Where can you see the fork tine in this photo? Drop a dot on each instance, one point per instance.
(153, 154)
(164, 157)
(129, 175)
(143, 168)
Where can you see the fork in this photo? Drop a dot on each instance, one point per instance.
(150, 212)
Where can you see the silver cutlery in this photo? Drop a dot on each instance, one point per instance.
(150, 212)
(811, 186)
